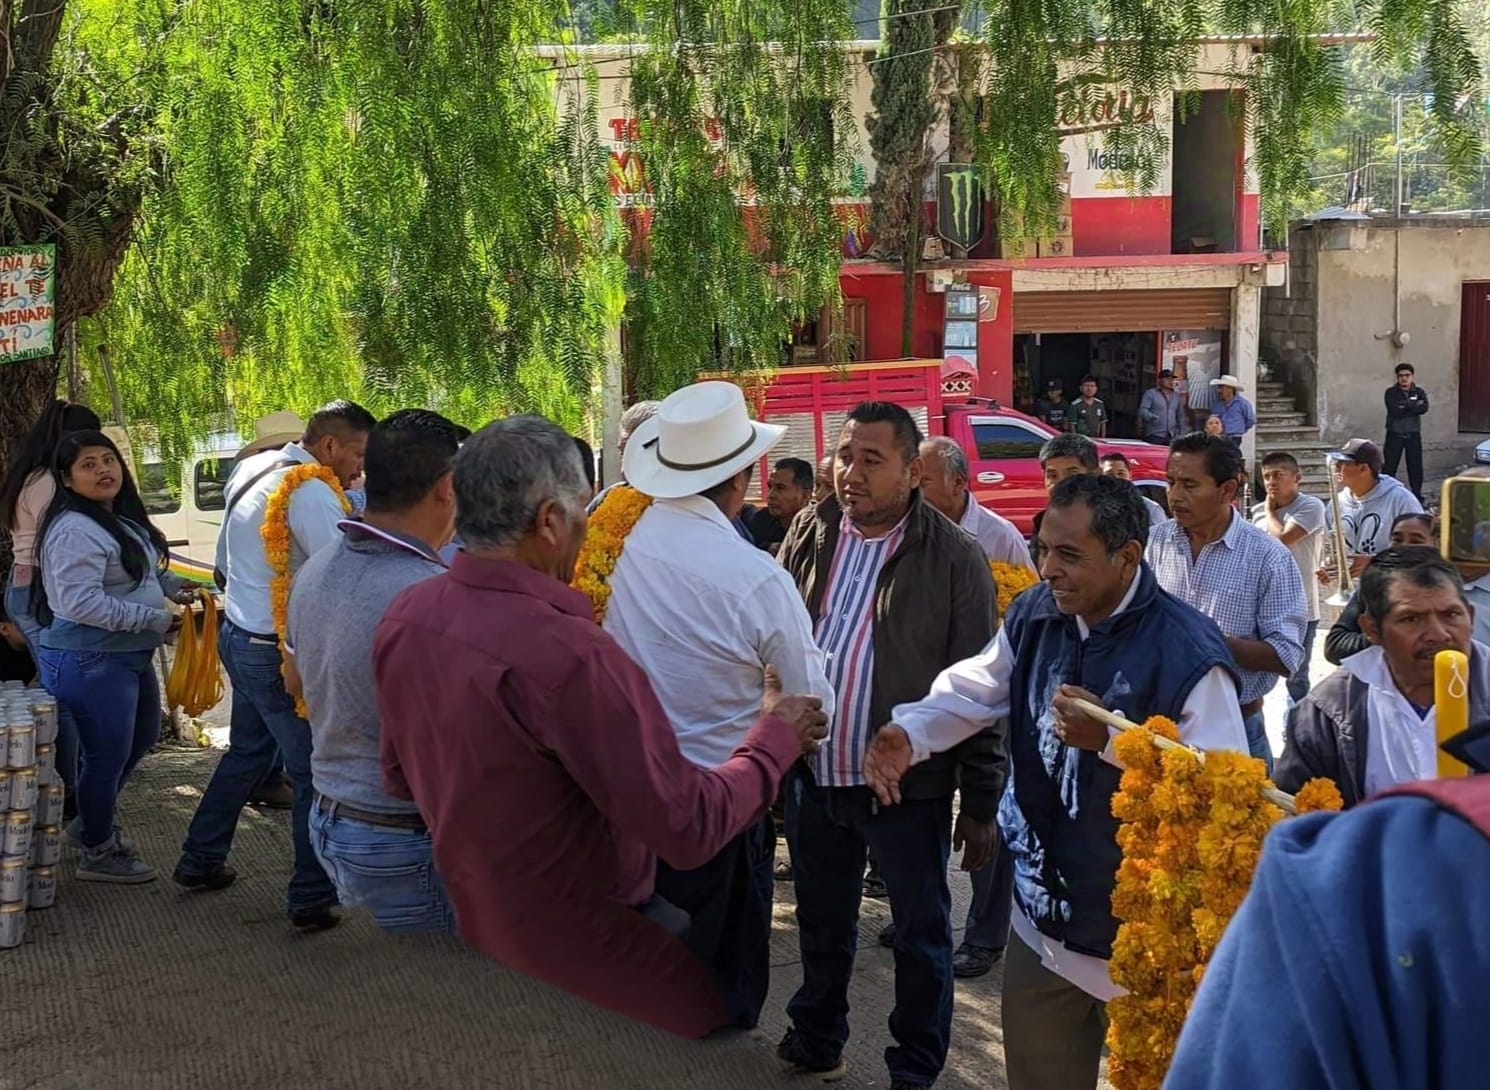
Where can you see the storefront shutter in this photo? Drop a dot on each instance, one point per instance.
(1121, 311)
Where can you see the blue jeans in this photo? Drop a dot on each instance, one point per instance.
(1298, 684)
(115, 702)
(18, 609)
(263, 722)
(993, 899)
(829, 830)
(388, 871)
(1257, 738)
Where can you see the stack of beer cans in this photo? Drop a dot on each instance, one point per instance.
(30, 808)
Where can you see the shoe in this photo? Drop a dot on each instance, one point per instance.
(783, 871)
(794, 1052)
(72, 833)
(220, 876)
(874, 889)
(315, 919)
(273, 796)
(971, 961)
(887, 935)
(110, 863)
(901, 1084)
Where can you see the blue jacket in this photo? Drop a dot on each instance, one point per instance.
(1357, 962)
(1056, 815)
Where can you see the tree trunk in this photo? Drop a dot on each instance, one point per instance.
(25, 389)
(908, 263)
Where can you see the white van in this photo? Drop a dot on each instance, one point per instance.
(186, 501)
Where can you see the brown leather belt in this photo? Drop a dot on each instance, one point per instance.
(368, 817)
(1252, 708)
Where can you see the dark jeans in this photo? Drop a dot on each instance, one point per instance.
(729, 902)
(263, 721)
(115, 702)
(993, 900)
(830, 830)
(1298, 684)
(1412, 446)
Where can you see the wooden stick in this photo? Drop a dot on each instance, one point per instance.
(1280, 799)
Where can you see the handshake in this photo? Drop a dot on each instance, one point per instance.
(804, 714)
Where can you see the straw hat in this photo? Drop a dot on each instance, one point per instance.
(1228, 380)
(701, 435)
(274, 431)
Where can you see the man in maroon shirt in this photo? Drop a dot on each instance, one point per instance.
(539, 756)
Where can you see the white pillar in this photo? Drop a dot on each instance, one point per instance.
(610, 409)
(1246, 323)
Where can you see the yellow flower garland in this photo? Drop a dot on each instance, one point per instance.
(276, 535)
(1011, 580)
(1191, 835)
(609, 525)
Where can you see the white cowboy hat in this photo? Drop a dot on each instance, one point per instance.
(1228, 380)
(701, 435)
(274, 431)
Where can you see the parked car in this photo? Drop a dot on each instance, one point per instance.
(186, 501)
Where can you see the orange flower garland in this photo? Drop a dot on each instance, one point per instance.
(609, 525)
(1011, 580)
(276, 535)
(1192, 831)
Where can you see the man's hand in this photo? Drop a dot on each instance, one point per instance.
(975, 839)
(886, 762)
(1075, 727)
(804, 714)
(1358, 564)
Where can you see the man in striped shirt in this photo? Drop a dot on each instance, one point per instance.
(896, 593)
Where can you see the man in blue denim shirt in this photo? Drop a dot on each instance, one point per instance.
(375, 847)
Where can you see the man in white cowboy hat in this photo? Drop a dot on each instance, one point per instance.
(264, 720)
(273, 432)
(704, 613)
(1236, 412)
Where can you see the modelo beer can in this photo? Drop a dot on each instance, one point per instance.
(17, 836)
(12, 926)
(6, 777)
(43, 892)
(46, 846)
(46, 761)
(49, 803)
(12, 881)
(20, 750)
(23, 789)
(44, 719)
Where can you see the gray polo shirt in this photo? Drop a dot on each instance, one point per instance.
(337, 600)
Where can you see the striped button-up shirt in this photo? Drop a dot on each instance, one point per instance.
(1246, 582)
(845, 632)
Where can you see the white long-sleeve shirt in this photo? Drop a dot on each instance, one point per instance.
(971, 695)
(704, 612)
(1000, 539)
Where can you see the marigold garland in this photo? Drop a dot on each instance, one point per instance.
(1191, 833)
(609, 525)
(276, 535)
(1011, 580)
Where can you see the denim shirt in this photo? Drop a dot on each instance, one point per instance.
(96, 605)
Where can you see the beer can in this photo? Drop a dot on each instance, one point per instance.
(44, 719)
(12, 926)
(16, 839)
(46, 761)
(43, 892)
(12, 881)
(46, 846)
(13, 686)
(20, 750)
(49, 803)
(23, 788)
(6, 776)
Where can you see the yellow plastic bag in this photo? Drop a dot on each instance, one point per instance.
(195, 683)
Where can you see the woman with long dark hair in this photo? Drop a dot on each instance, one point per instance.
(101, 596)
(24, 497)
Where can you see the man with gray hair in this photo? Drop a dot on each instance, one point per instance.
(633, 418)
(945, 487)
(548, 774)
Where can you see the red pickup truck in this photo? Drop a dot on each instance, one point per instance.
(1002, 445)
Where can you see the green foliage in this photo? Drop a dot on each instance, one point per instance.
(905, 113)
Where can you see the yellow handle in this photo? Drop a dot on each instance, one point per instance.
(1451, 707)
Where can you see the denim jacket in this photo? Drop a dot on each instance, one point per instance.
(96, 605)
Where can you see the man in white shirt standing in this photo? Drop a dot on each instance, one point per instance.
(264, 720)
(945, 487)
(1372, 724)
(1296, 519)
(1098, 628)
(704, 613)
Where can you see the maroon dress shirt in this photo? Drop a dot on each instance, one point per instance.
(551, 781)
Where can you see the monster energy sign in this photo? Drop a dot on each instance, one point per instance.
(959, 204)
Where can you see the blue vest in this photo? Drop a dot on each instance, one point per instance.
(1056, 814)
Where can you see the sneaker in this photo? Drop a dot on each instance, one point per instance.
(275, 795)
(972, 961)
(110, 863)
(220, 876)
(73, 835)
(874, 888)
(796, 1053)
(315, 919)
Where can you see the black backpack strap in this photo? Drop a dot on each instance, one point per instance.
(219, 576)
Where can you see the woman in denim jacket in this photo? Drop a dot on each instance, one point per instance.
(102, 598)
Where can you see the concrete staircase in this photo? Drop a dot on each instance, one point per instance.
(1281, 427)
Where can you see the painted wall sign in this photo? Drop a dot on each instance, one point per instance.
(28, 302)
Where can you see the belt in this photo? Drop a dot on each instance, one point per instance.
(267, 637)
(1252, 707)
(368, 817)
